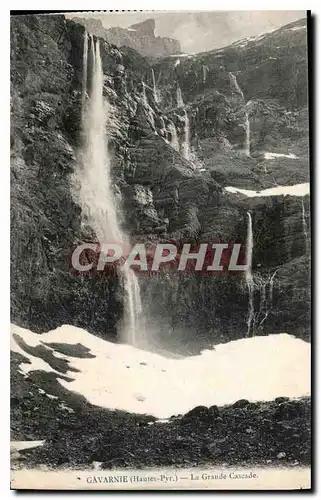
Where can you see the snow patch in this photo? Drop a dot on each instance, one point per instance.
(182, 55)
(24, 445)
(272, 156)
(51, 396)
(295, 190)
(296, 28)
(245, 41)
(257, 369)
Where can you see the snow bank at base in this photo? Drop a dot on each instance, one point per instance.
(295, 190)
(125, 378)
(272, 156)
(25, 445)
(182, 55)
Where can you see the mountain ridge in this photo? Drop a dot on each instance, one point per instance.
(139, 36)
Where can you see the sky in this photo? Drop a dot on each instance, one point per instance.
(202, 31)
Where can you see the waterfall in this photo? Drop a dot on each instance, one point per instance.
(148, 108)
(248, 273)
(179, 98)
(92, 44)
(96, 196)
(185, 148)
(235, 86)
(237, 90)
(84, 74)
(304, 226)
(185, 144)
(144, 94)
(174, 138)
(163, 129)
(247, 141)
(267, 302)
(155, 91)
(204, 68)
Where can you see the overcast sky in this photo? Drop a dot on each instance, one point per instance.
(201, 31)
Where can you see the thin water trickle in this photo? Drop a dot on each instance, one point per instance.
(304, 226)
(204, 68)
(185, 146)
(155, 91)
(179, 98)
(186, 142)
(267, 300)
(237, 90)
(248, 273)
(173, 136)
(149, 110)
(144, 94)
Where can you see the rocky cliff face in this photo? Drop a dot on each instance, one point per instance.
(167, 191)
(140, 36)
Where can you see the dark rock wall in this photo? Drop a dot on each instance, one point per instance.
(46, 54)
(271, 71)
(164, 195)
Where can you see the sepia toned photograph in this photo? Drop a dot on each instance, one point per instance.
(160, 250)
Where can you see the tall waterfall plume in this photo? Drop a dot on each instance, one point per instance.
(95, 196)
(84, 74)
(236, 89)
(155, 90)
(248, 273)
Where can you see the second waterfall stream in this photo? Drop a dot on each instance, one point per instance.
(185, 147)
(248, 273)
(238, 91)
(95, 192)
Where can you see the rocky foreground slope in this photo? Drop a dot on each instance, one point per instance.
(166, 194)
